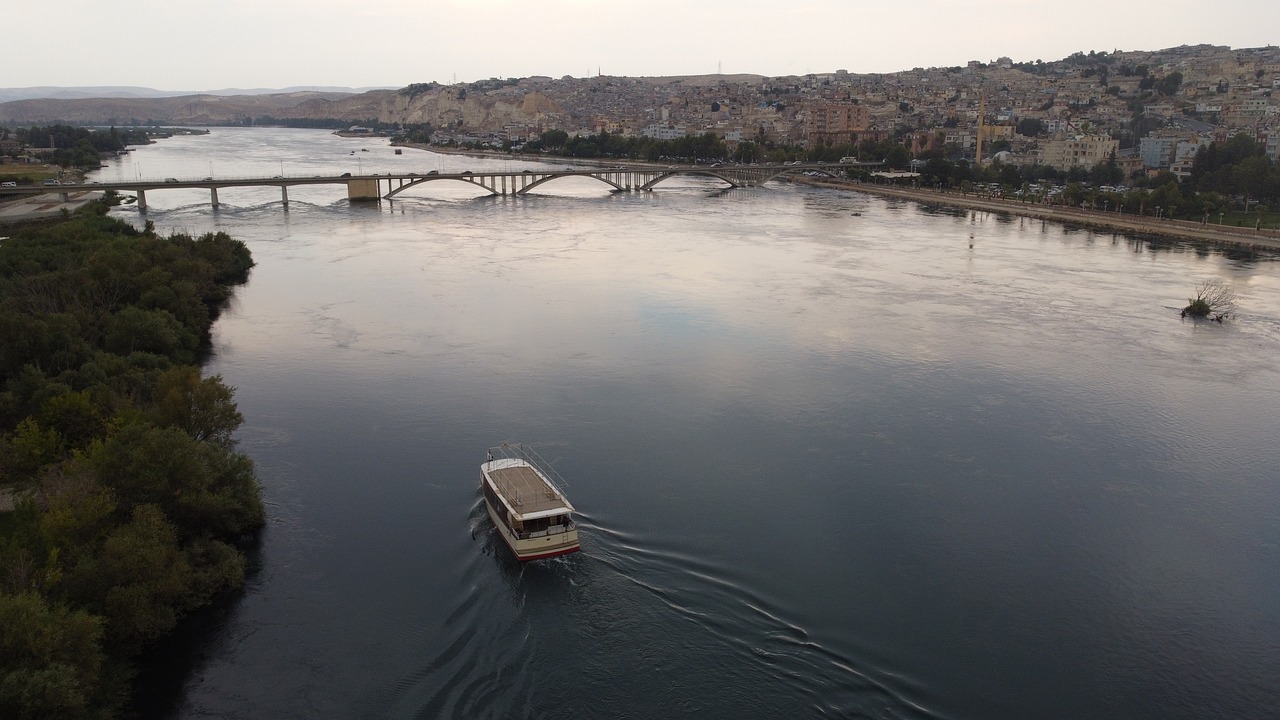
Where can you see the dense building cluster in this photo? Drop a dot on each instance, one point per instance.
(1150, 110)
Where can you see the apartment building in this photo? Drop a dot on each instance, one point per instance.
(834, 123)
(1078, 151)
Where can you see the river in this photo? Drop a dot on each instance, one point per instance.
(834, 455)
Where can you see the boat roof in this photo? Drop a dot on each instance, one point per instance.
(524, 490)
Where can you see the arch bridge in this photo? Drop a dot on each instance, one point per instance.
(619, 178)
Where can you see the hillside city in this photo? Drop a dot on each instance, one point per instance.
(1196, 129)
(1154, 109)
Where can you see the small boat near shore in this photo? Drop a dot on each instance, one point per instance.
(527, 506)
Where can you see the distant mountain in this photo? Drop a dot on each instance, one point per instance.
(202, 109)
(126, 91)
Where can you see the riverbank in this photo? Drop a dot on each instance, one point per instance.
(1246, 238)
(42, 207)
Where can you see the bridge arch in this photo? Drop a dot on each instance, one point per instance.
(673, 173)
(602, 177)
(735, 177)
(428, 178)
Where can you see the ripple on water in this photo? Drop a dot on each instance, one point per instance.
(657, 624)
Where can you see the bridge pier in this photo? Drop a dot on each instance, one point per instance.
(284, 195)
(363, 189)
(213, 197)
(142, 201)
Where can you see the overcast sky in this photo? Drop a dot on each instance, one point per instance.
(216, 44)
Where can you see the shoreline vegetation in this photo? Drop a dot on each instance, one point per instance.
(1246, 238)
(1231, 236)
(124, 505)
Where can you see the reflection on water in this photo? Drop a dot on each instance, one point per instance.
(836, 456)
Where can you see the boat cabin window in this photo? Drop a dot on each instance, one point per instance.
(543, 523)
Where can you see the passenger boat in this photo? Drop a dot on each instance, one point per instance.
(527, 506)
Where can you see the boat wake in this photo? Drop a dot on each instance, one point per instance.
(755, 646)
(626, 627)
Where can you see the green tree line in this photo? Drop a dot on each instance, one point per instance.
(75, 146)
(131, 506)
(707, 147)
(1235, 174)
(1226, 175)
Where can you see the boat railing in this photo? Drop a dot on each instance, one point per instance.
(519, 451)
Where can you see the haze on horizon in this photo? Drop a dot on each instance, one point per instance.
(182, 45)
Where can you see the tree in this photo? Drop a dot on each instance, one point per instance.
(1074, 194)
(154, 331)
(202, 407)
(1169, 84)
(1030, 127)
(1168, 198)
(139, 581)
(1213, 297)
(748, 152)
(554, 138)
(50, 659)
(1107, 172)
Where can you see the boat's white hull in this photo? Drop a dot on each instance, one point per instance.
(534, 548)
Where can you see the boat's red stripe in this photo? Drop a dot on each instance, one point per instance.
(565, 551)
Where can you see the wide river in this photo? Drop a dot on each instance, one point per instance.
(834, 456)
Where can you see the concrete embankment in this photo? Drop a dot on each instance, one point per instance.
(1247, 238)
(43, 207)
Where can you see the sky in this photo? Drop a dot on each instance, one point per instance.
(216, 44)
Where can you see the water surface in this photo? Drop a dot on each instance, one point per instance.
(828, 464)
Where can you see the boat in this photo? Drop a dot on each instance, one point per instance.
(526, 504)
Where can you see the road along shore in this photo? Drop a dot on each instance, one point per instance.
(43, 207)
(1246, 238)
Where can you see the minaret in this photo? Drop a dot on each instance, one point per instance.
(982, 125)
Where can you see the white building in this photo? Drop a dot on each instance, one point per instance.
(1080, 151)
(664, 132)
